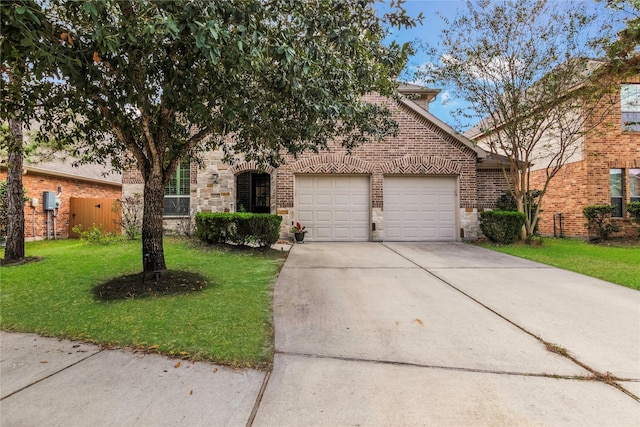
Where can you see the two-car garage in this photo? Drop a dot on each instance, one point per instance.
(416, 208)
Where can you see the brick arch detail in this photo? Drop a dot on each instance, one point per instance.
(332, 163)
(416, 165)
(251, 166)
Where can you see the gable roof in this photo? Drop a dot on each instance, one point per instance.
(64, 168)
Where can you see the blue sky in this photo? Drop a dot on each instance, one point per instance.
(430, 30)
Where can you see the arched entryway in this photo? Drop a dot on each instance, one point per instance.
(253, 192)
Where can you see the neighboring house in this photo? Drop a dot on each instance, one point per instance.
(86, 181)
(425, 184)
(605, 169)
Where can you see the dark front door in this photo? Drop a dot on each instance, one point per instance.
(253, 192)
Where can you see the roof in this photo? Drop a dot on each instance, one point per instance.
(88, 172)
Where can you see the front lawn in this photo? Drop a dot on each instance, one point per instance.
(619, 265)
(227, 322)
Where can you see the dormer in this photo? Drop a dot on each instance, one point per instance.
(422, 96)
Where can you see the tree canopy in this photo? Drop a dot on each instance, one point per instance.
(523, 66)
(624, 45)
(153, 82)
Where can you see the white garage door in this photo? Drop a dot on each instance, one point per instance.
(420, 208)
(333, 208)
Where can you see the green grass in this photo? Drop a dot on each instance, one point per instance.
(229, 322)
(619, 265)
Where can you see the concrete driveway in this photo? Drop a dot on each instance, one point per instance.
(403, 334)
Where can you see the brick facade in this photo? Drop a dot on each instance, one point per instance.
(37, 182)
(421, 147)
(586, 182)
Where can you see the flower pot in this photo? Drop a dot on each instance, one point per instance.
(299, 237)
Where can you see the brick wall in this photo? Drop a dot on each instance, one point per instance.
(37, 183)
(586, 182)
(419, 148)
(491, 185)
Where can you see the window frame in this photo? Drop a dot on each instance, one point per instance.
(617, 200)
(178, 188)
(630, 107)
(634, 184)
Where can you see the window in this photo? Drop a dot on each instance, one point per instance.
(634, 185)
(630, 107)
(176, 192)
(616, 192)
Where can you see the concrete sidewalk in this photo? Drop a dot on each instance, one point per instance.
(370, 334)
(49, 382)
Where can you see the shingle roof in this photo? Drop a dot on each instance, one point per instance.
(65, 168)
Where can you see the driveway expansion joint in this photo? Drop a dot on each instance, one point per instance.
(440, 367)
(605, 378)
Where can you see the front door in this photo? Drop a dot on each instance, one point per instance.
(253, 192)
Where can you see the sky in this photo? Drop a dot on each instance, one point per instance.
(429, 31)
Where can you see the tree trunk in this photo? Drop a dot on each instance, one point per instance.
(152, 249)
(15, 196)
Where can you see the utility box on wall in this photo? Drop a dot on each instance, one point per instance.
(48, 201)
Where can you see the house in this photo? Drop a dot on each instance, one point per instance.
(604, 169)
(59, 177)
(425, 184)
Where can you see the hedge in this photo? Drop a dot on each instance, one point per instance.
(240, 228)
(502, 226)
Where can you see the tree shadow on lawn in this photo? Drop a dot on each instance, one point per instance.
(170, 282)
(21, 261)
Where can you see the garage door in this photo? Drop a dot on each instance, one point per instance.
(333, 208)
(420, 208)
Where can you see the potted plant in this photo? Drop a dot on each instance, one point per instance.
(299, 232)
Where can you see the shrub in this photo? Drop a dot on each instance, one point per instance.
(94, 235)
(634, 210)
(598, 220)
(130, 208)
(506, 202)
(502, 226)
(240, 228)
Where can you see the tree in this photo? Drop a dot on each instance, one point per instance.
(156, 82)
(522, 67)
(624, 47)
(25, 61)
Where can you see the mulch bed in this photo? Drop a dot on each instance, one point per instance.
(167, 282)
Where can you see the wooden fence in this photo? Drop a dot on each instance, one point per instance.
(88, 212)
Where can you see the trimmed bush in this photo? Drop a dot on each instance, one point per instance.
(598, 217)
(502, 226)
(240, 227)
(506, 202)
(634, 210)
